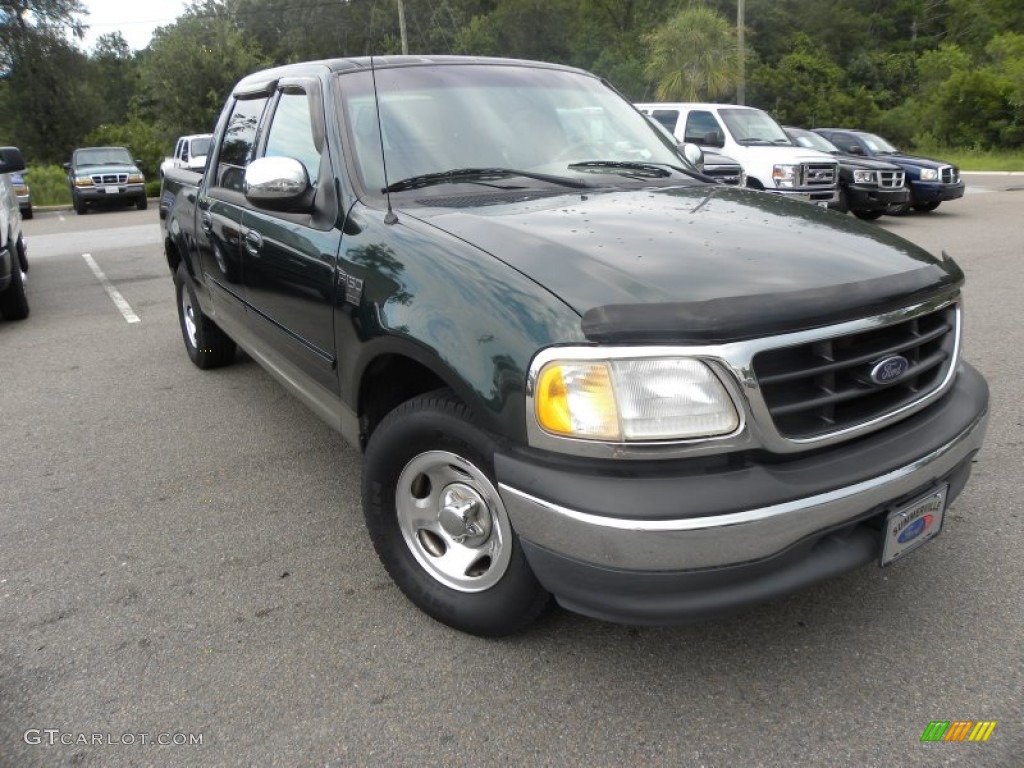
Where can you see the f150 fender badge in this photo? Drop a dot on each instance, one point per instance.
(890, 369)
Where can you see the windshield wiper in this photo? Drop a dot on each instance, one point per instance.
(753, 141)
(653, 169)
(475, 175)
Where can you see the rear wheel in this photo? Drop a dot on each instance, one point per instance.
(926, 207)
(207, 345)
(13, 301)
(438, 523)
(868, 215)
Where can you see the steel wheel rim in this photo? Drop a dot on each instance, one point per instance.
(188, 317)
(453, 521)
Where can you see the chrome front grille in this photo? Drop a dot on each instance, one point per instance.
(949, 174)
(819, 174)
(890, 179)
(110, 178)
(826, 386)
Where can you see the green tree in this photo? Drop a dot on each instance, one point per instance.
(191, 67)
(693, 56)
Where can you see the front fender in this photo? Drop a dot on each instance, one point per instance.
(471, 319)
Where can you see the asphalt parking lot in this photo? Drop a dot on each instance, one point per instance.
(182, 560)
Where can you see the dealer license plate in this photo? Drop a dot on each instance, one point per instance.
(910, 526)
(111, 190)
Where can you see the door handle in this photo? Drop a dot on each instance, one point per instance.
(206, 222)
(253, 242)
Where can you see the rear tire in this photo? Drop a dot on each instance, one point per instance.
(207, 345)
(438, 523)
(13, 301)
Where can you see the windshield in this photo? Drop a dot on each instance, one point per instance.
(200, 147)
(878, 144)
(445, 118)
(103, 156)
(752, 126)
(811, 140)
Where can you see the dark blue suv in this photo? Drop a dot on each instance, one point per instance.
(931, 181)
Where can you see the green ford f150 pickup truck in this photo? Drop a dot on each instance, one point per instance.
(574, 367)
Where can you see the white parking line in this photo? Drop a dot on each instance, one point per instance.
(112, 292)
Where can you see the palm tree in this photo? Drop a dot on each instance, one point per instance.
(693, 57)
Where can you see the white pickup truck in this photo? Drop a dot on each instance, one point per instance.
(190, 152)
(770, 160)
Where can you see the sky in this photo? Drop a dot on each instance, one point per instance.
(134, 19)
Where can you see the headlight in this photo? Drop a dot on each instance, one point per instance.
(633, 400)
(786, 175)
(83, 181)
(136, 178)
(929, 174)
(863, 177)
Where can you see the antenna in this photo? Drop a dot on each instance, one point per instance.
(389, 217)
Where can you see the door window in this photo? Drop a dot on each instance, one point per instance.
(238, 145)
(291, 134)
(699, 125)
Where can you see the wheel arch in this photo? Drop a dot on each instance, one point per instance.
(396, 373)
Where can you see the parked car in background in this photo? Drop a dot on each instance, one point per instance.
(718, 166)
(931, 181)
(770, 160)
(867, 188)
(105, 174)
(189, 152)
(23, 193)
(13, 252)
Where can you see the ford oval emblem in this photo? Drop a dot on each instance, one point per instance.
(915, 529)
(890, 369)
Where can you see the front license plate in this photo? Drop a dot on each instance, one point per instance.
(111, 190)
(908, 527)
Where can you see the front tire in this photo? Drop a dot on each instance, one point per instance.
(843, 204)
(207, 345)
(13, 301)
(437, 521)
(141, 203)
(79, 204)
(868, 215)
(926, 207)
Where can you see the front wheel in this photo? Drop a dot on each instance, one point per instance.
(141, 203)
(13, 301)
(207, 345)
(843, 204)
(926, 207)
(868, 215)
(438, 523)
(79, 204)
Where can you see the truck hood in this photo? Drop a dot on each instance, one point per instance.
(866, 163)
(780, 153)
(697, 263)
(922, 162)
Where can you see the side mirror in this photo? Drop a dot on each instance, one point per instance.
(694, 155)
(714, 139)
(278, 183)
(66, 167)
(11, 160)
(855, 149)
